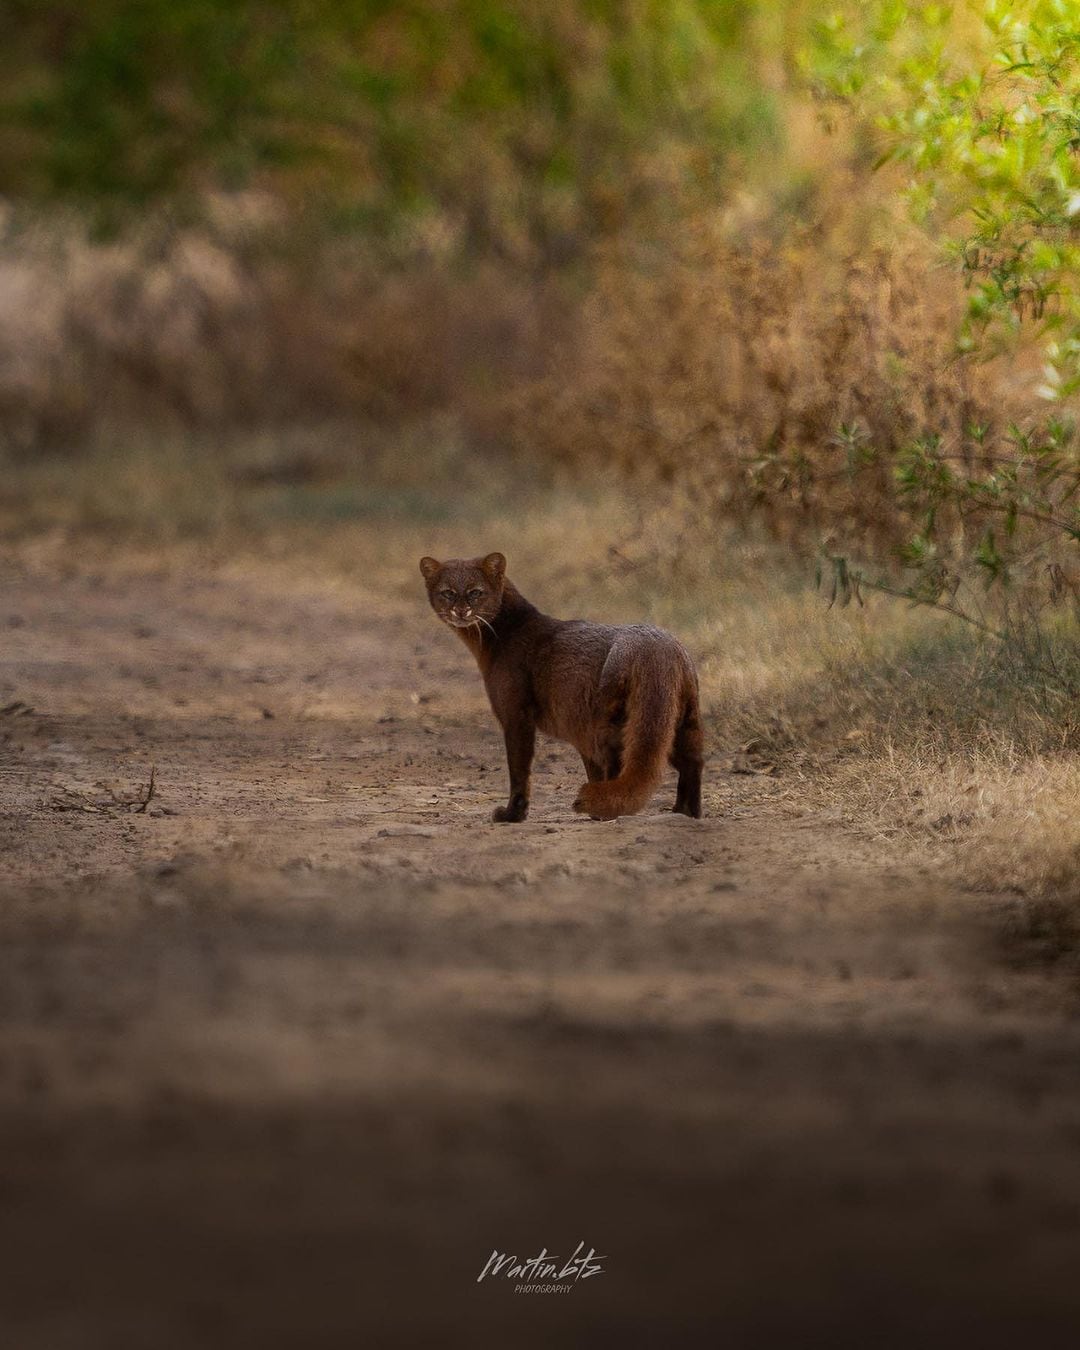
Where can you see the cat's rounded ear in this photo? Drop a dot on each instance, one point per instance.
(429, 568)
(494, 567)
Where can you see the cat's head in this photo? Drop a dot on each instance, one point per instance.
(465, 592)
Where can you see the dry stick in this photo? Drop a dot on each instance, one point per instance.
(959, 613)
(141, 803)
(946, 608)
(1073, 531)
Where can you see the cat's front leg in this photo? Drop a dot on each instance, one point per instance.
(520, 734)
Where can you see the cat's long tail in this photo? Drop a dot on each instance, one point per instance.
(652, 709)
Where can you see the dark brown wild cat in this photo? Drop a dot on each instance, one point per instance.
(626, 698)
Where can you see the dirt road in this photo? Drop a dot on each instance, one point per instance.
(286, 1054)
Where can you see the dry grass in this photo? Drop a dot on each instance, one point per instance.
(230, 328)
(172, 327)
(1010, 819)
(728, 362)
(721, 358)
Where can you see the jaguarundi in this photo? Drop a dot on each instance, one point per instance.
(625, 697)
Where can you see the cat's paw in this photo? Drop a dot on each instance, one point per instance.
(583, 803)
(509, 815)
(597, 801)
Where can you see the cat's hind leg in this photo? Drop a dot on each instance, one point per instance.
(687, 759)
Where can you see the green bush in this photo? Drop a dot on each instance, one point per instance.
(980, 110)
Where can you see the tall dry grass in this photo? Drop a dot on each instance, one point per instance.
(171, 327)
(725, 355)
(730, 362)
(232, 328)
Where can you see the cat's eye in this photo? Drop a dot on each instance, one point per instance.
(474, 595)
(446, 595)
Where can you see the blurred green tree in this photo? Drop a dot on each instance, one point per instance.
(520, 127)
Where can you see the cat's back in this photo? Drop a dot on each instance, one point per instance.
(577, 645)
(582, 671)
(598, 648)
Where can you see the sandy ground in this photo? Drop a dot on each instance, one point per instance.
(285, 1055)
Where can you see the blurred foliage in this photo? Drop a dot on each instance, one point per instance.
(742, 329)
(519, 127)
(980, 107)
(1001, 510)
